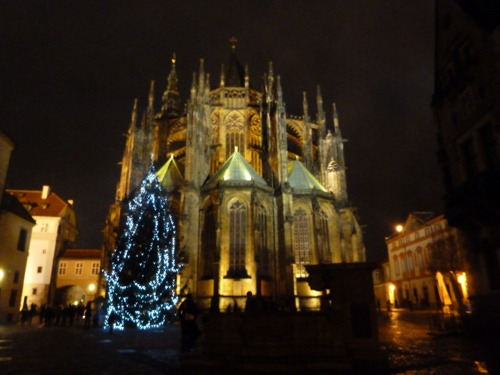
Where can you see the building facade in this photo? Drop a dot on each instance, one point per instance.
(257, 195)
(16, 226)
(55, 231)
(466, 106)
(426, 265)
(78, 273)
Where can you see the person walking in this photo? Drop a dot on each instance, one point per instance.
(188, 312)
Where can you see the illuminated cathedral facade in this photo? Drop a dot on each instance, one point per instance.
(256, 194)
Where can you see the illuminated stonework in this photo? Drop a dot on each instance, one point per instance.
(256, 195)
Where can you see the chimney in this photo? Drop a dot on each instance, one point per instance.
(45, 191)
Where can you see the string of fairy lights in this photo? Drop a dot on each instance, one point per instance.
(141, 282)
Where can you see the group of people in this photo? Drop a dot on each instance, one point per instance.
(61, 315)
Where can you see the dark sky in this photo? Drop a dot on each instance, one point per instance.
(70, 70)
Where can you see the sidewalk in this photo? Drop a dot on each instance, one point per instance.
(71, 350)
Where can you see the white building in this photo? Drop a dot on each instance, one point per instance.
(426, 264)
(54, 232)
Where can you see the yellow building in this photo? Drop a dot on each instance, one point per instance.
(55, 231)
(15, 232)
(78, 276)
(426, 264)
(256, 194)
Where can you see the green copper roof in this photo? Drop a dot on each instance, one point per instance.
(236, 168)
(301, 179)
(169, 174)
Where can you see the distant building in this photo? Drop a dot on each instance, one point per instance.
(78, 276)
(466, 106)
(381, 283)
(55, 231)
(425, 265)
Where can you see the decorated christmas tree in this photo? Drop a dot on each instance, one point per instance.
(142, 278)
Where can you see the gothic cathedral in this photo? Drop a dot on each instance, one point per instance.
(257, 194)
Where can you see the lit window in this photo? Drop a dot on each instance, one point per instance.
(237, 234)
(79, 268)
(301, 249)
(262, 242)
(396, 265)
(209, 243)
(21, 241)
(325, 237)
(62, 268)
(235, 133)
(95, 268)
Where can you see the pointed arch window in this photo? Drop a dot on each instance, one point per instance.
(235, 133)
(301, 239)
(324, 233)
(262, 242)
(209, 236)
(237, 240)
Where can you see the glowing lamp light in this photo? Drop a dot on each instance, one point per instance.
(2, 274)
(91, 287)
(392, 287)
(461, 278)
(399, 228)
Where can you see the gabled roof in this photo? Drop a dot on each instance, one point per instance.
(169, 175)
(81, 254)
(301, 179)
(11, 204)
(32, 200)
(236, 168)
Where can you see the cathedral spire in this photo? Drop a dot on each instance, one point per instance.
(235, 76)
(133, 116)
(320, 117)
(279, 91)
(148, 115)
(201, 77)
(335, 118)
(222, 82)
(171, 98)
(247, 77)
(151, 95)
(308, 157)
(270, 83)
(193, 87)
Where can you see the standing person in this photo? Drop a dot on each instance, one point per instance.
(88, 316)
(251, 304)
(188, 311)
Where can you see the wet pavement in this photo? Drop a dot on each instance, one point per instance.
(415, 343)
(411, 341)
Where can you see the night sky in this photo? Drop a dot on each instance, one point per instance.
(70, 70)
